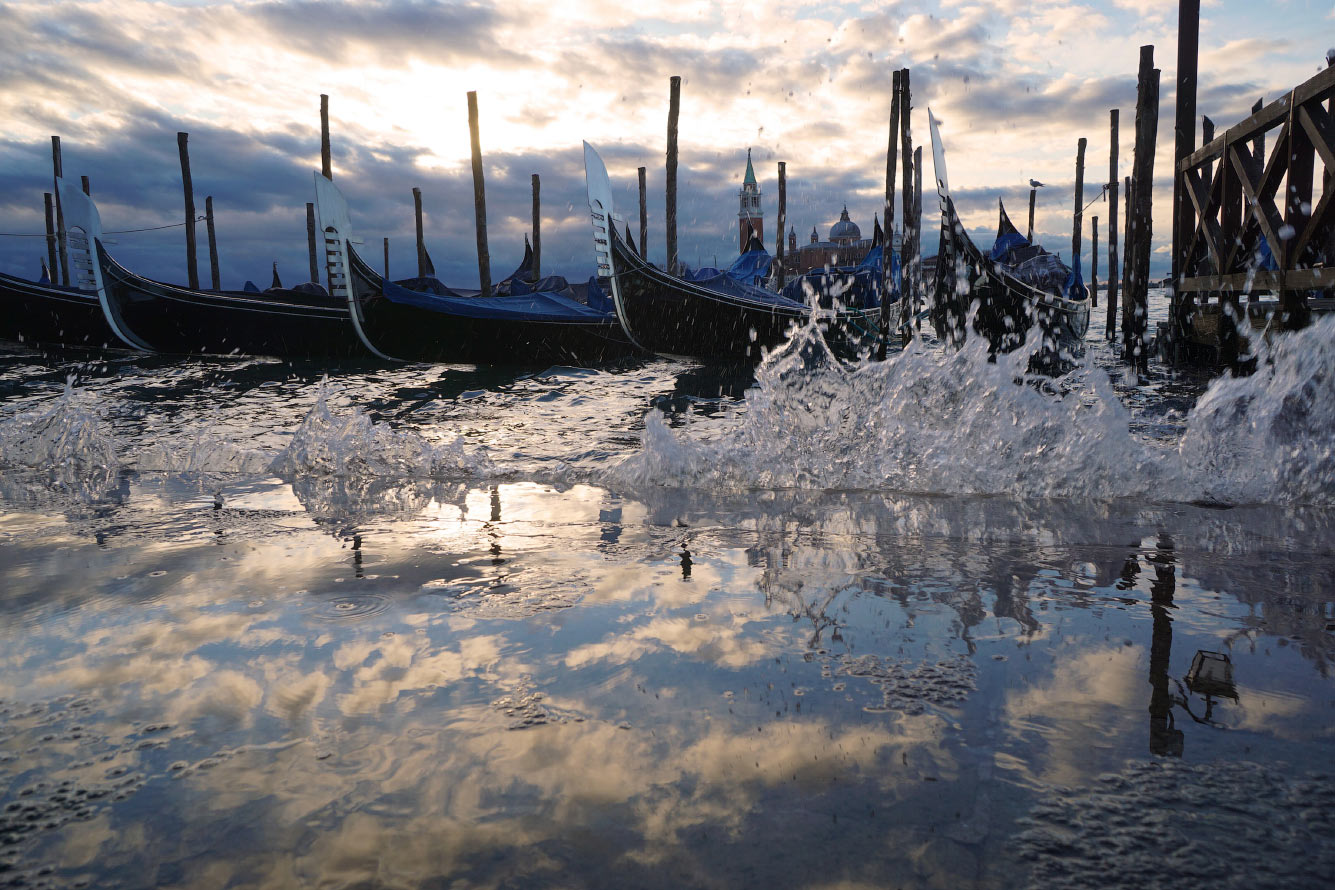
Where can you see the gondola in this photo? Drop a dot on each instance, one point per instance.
(717, 319)
(441, 325)
(1006, 307)
(279, 322)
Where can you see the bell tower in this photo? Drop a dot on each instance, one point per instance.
(749, 216)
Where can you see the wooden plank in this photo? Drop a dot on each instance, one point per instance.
(1319, 88)
(1263, 280)
(86, 186)
(1205, 204)
(479, 200)
(191, 262)
(670, 214)
(1262, 210)
(1033, 197)
(1316, 121)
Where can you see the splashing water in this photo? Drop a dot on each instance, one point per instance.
(65, 438)
(956, 423)
(351, 444)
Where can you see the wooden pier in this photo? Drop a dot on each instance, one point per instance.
(1255, 224)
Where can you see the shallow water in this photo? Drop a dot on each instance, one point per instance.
(917, 625)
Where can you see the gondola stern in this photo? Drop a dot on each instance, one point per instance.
(83, 225)
(335, 222)
(602, 214)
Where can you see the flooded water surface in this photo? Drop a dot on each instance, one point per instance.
(919, 624)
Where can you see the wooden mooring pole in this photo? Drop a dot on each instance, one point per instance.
(1094, 264)
(86, 186)
(214, 275)
(670, 215)
(1184, 143)
(906, 303)
(387, 259)
(62, 243)
(1033, 196)
(326, 157)
(310, 243)
(1126, 258)
(912, 256)
(52, 269)
(782, 221)
(1142, 168)
(479, 200)
(644, 213)
(1110, 326)
(421, 243)
(537, 227)
(1078, 219)
(891, 161)
(191, 260)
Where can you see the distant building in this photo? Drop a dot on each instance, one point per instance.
(750, 218)
(845, 245)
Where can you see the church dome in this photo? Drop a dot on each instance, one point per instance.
(845, 231)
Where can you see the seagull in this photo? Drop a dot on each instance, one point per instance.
(1035, 184)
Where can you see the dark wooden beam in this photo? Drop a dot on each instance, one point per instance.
(326, 156)
(537, 227)
(62, 239)
(891, 159)
(479, 199)
(1110, 325)
(191, 261)
(670, 216)
(52, 267)
(215, 278)
(644, 213)
(782, 221)
(421, 243)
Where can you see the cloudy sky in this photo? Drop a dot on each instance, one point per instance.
(1014, 83)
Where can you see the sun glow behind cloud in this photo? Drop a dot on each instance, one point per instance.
(1015, 85)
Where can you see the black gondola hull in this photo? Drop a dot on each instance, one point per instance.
(414, 333)
(46, 315)
(670, 316)
(179, 320)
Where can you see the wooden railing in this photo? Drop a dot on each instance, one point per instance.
(1238, 207)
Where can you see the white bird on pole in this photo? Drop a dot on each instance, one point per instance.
(1035, 184)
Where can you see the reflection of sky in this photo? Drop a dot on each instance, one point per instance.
(1015, 84)
(676, 727)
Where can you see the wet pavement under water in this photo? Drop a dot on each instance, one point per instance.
(441, 627)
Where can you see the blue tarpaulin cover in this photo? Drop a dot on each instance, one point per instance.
(528, 307)
(858, 286)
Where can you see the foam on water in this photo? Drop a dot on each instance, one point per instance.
(952, 422)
